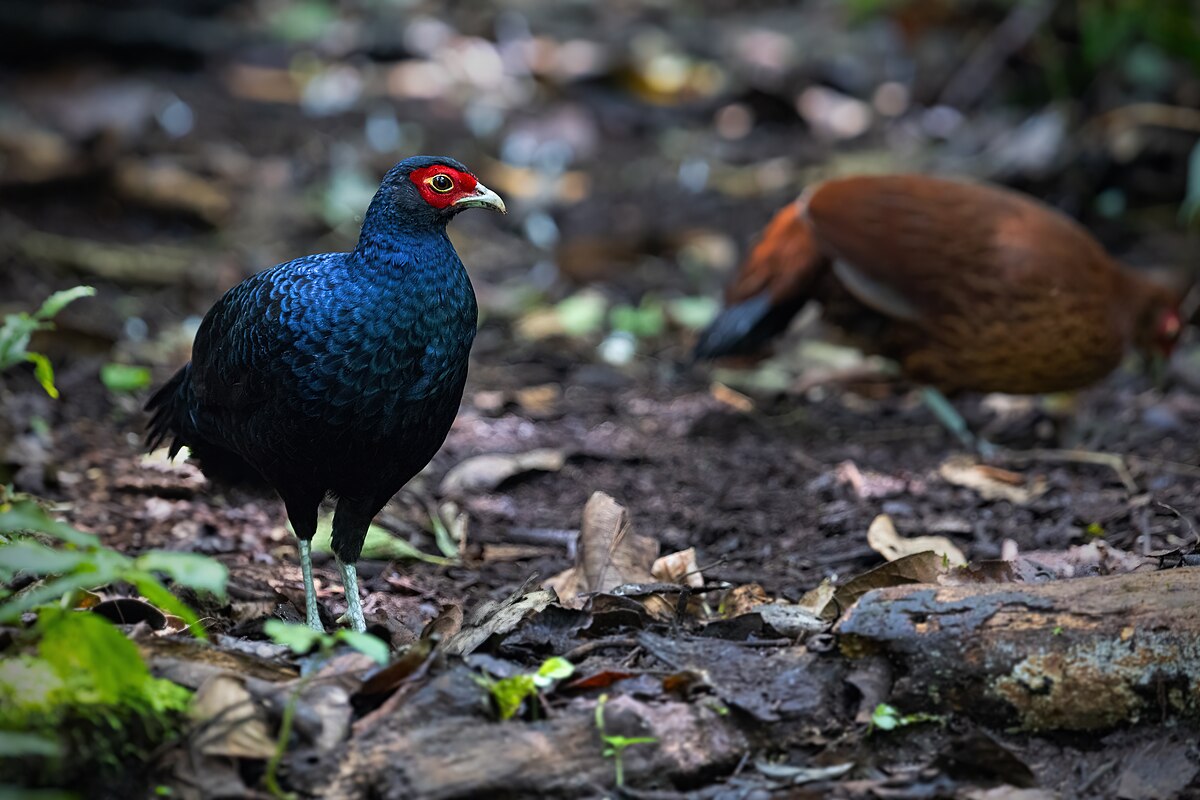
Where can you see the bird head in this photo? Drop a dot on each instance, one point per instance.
(428, 191)
(1159, 327)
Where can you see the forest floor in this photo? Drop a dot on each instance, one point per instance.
(771, 475)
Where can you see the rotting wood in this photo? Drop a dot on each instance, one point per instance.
(562, 757)
(1084, 654)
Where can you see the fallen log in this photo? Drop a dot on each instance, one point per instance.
(462, 757)
(1084, 654)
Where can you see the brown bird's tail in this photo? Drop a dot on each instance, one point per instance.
(770, 287)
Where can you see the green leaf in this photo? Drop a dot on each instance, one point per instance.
(380, 544)
(44, 372)
(511, 692)
(302, 21)
(26, 516)
(582, 313)
(37, 559)
(14, 338)
(366, 644)
(60, 300)
(441, 535)
(621, 742)
(693, 312)
(885, 717)
(189, 569)
(159, 595)
(300, 639)
(553, 669)
(51, 591)
(124, 378)
(17, 745)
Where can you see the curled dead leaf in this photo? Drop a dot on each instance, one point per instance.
(917, 568)
(742, 600)
(678, 568)
(486, 472)
(884, 539)
(235, 725)
(992, 483)
(497, 618)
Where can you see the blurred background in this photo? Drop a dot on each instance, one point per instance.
(161, 152)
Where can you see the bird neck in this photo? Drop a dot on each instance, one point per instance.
(426, 249)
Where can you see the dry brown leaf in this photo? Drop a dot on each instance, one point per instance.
(608, 555)
(742, 600)
(539, 402)
(236, 724)
(497, 618)
(884, 539)
(992, 483)
(918, 568)
(871, 485)
(731, 397)
(678, 568)
(819, 601)
(486, 472)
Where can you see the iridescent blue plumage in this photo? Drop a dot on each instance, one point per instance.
(337, 373)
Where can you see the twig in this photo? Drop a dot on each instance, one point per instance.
(1113, 461)
(1169, 467)
(587, 648)
(985, 62)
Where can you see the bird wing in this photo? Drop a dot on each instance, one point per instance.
(239, 345)
(784, 262)
(907, 245)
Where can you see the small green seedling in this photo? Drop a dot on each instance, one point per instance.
(888, 718)
(18, 328)
(510, 693)
(301, 639)
(614, 746)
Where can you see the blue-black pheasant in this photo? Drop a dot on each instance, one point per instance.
(338, 373)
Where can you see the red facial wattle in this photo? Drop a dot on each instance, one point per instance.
(1170, 326)
(425, 179)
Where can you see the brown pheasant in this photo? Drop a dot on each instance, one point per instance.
(967, 286)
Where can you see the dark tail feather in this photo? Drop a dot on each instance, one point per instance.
(173, 420)
(743, 329)
(169, 406)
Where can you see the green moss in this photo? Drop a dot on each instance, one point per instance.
(86, 688)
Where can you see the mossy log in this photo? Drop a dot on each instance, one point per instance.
(1084, 654)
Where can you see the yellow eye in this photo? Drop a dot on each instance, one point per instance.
(441, 183)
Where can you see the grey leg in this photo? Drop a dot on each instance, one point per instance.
(354, 612)
(311, 614)
(948, 415)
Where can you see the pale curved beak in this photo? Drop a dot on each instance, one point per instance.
(483, 197)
